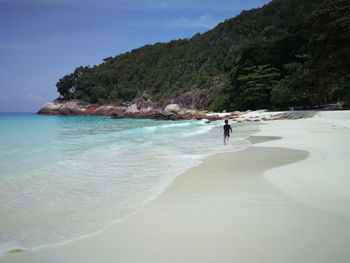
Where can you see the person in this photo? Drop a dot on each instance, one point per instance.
(227, 129)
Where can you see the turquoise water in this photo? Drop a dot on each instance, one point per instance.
(62, 178)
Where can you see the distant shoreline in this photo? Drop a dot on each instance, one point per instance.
(139, 110)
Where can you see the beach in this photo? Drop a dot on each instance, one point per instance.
(285, 198)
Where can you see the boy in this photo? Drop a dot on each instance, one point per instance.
(227, 129)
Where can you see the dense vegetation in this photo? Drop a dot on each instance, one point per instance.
(287, 53)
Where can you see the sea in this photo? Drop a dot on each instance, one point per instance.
(63, 178)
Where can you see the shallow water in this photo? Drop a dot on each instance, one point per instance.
(62, 178)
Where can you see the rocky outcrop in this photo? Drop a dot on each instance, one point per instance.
(184, 106)
(172, 109)
(198, 99)
(137, 109)
(145, 109)
(76, 107)
(81, 108)
(195, 99)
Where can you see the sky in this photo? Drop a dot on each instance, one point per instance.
(43, 40)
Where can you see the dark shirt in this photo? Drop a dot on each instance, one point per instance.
(227, 128)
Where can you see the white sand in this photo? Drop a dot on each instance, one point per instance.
(282, 201)
(322, 180)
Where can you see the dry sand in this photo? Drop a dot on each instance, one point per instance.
(282, 200)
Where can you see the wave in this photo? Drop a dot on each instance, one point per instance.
(176, 125)
(165, 126)
(150, 128)
(201, 130)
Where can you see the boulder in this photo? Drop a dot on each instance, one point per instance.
(132, 108)
(195, 99)
(166, 113)
(62, 108)
(144, 104)
(191, 112)
(172, 108)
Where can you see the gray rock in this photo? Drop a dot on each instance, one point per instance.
(166, 113)
(172, 108)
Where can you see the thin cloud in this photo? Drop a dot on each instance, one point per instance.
(220, 5)
(133, 5)
(30, 96)
(18, 46)
(201, 22)
(204, 21)
(43, 2)
(119, 4)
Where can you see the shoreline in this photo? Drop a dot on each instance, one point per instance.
(141, 109)
(11, 248)
(238, 143)
(177, 187)
(229, 208)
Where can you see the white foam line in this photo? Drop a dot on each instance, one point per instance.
(175, 125)
(204, 129)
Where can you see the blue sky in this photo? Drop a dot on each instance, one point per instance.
(43, 40)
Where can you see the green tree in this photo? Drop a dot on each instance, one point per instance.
(66, 86)
(98, 92)
(249, 51)
(329, 46)
(256, 85)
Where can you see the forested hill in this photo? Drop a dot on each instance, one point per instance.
(287, 53)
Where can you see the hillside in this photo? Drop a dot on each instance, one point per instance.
(287, 53)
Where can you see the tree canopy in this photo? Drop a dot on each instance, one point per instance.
(286, 53)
